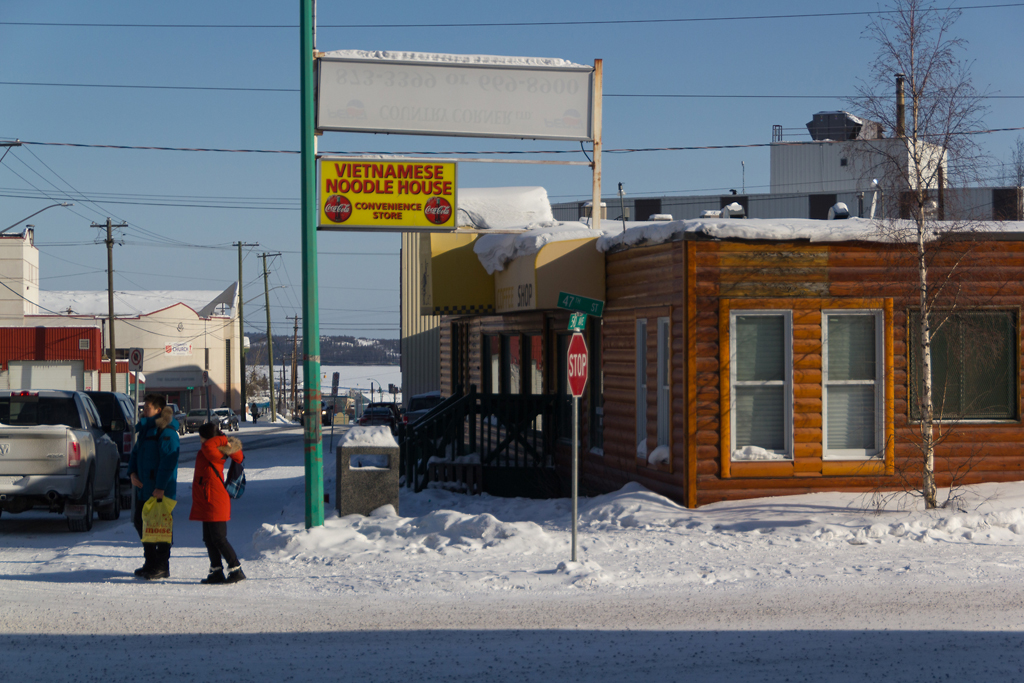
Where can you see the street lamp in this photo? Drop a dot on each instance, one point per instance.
(380, 387)
(33, 214)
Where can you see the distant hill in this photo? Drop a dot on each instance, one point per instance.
(334, 350)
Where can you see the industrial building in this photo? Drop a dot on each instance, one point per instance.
(59, 340)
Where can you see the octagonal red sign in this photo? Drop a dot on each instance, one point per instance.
(577, 363)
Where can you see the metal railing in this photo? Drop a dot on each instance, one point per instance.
(504, 430)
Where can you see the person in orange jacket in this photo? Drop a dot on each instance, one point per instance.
(211, 503)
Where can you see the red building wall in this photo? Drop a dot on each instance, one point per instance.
(51, 343)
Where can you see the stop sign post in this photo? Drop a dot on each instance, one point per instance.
(577, 366)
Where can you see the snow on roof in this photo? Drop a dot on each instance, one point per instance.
(784, 229)
(499, 208)
(442, 58)
(496, 251)
(125, 303)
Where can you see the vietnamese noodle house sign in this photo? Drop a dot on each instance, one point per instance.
(466, 95)
(358, 193)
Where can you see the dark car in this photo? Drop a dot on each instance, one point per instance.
(227, 418)
(117, 418)
(382, 414)
(326, 414)
(197, 418)
(421, 404)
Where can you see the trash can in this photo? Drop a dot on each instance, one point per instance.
(367, 471)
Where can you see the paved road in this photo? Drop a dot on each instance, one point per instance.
(248, 634)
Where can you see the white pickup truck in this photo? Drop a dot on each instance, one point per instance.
(54, 455)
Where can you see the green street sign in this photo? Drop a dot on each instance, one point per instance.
(577, 322)
(582, 304)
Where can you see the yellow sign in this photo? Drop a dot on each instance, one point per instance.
(407, 194)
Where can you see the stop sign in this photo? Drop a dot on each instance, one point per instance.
(577, 364)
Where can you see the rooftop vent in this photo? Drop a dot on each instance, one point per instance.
(734, 210)
(838, 211)
(842, 125)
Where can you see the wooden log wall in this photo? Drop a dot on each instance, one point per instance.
(983, 274)
(645, 282)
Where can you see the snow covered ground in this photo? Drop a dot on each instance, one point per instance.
(806, 588)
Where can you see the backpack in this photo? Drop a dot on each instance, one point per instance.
(235, 482)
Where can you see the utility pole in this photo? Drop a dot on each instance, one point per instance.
(110, 297)
(270, 338)
(295, 342)
(241, 325)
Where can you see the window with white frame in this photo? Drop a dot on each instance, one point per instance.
(664, 381)
(641, 388)
(761, 379)
(852, 384)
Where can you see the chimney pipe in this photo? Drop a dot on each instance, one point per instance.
(901, 130)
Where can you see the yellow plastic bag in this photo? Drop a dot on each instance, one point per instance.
(157, 521)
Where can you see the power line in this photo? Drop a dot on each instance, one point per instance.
(626, 150)
(596, 22)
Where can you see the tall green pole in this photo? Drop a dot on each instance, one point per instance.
(310, 305)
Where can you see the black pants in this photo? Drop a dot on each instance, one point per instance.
(158, 555)
(215, 536)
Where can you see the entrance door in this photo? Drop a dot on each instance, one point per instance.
(66, 375)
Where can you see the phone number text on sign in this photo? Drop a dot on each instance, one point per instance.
(411, 194)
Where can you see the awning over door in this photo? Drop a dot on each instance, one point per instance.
(533, 281)
(453, 281)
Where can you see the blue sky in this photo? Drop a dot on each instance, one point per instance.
(170, 246)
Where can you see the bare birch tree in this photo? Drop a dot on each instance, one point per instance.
(928, 152)
(1017, 175)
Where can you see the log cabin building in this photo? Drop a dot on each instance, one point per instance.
(744, 358)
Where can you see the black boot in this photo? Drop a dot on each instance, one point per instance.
(216, 575)
(235, 575)
(147, 564)
(161, 568)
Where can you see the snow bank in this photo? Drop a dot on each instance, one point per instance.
(495, 208)
(374, 437)
(441, 531)
(442, 58)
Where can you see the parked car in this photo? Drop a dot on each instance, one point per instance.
(197, 418)
(55, 455)
(421, 404)
(389, 414)
(227, 418)
(117, 418)
(326, 414)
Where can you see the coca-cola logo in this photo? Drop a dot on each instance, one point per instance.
(338, 208)
(437, 210)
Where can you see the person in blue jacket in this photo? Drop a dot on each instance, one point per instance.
(153, 468)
